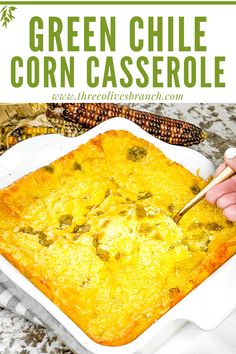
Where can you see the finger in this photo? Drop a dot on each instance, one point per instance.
(227, 200)
(230, 158)
(220, 168)
(230, 213)
(223, 188)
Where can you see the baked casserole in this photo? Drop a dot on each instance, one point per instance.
(94, 231)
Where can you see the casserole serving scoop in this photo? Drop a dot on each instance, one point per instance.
(225, 174)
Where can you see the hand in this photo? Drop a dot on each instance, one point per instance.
(224, 194)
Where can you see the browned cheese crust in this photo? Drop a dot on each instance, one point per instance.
(94, 232)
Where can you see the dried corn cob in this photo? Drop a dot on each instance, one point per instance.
(89, 115)
(12, 137)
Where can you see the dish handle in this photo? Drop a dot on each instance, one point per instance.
(214, 300)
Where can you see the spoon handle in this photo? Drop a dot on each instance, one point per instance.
(225, 174)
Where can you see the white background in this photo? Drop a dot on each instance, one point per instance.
(220, 31)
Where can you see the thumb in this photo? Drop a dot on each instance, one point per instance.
(230, 158)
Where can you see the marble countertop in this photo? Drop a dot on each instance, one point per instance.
(19, 336)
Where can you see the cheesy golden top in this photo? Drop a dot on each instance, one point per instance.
(94, 231)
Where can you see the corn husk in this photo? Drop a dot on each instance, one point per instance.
(13, 116)
(10, 111)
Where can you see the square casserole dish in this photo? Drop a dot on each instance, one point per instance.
(206, 306)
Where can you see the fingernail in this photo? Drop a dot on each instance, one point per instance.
(230, 153)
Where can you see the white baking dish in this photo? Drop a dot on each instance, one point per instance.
(206, 306)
